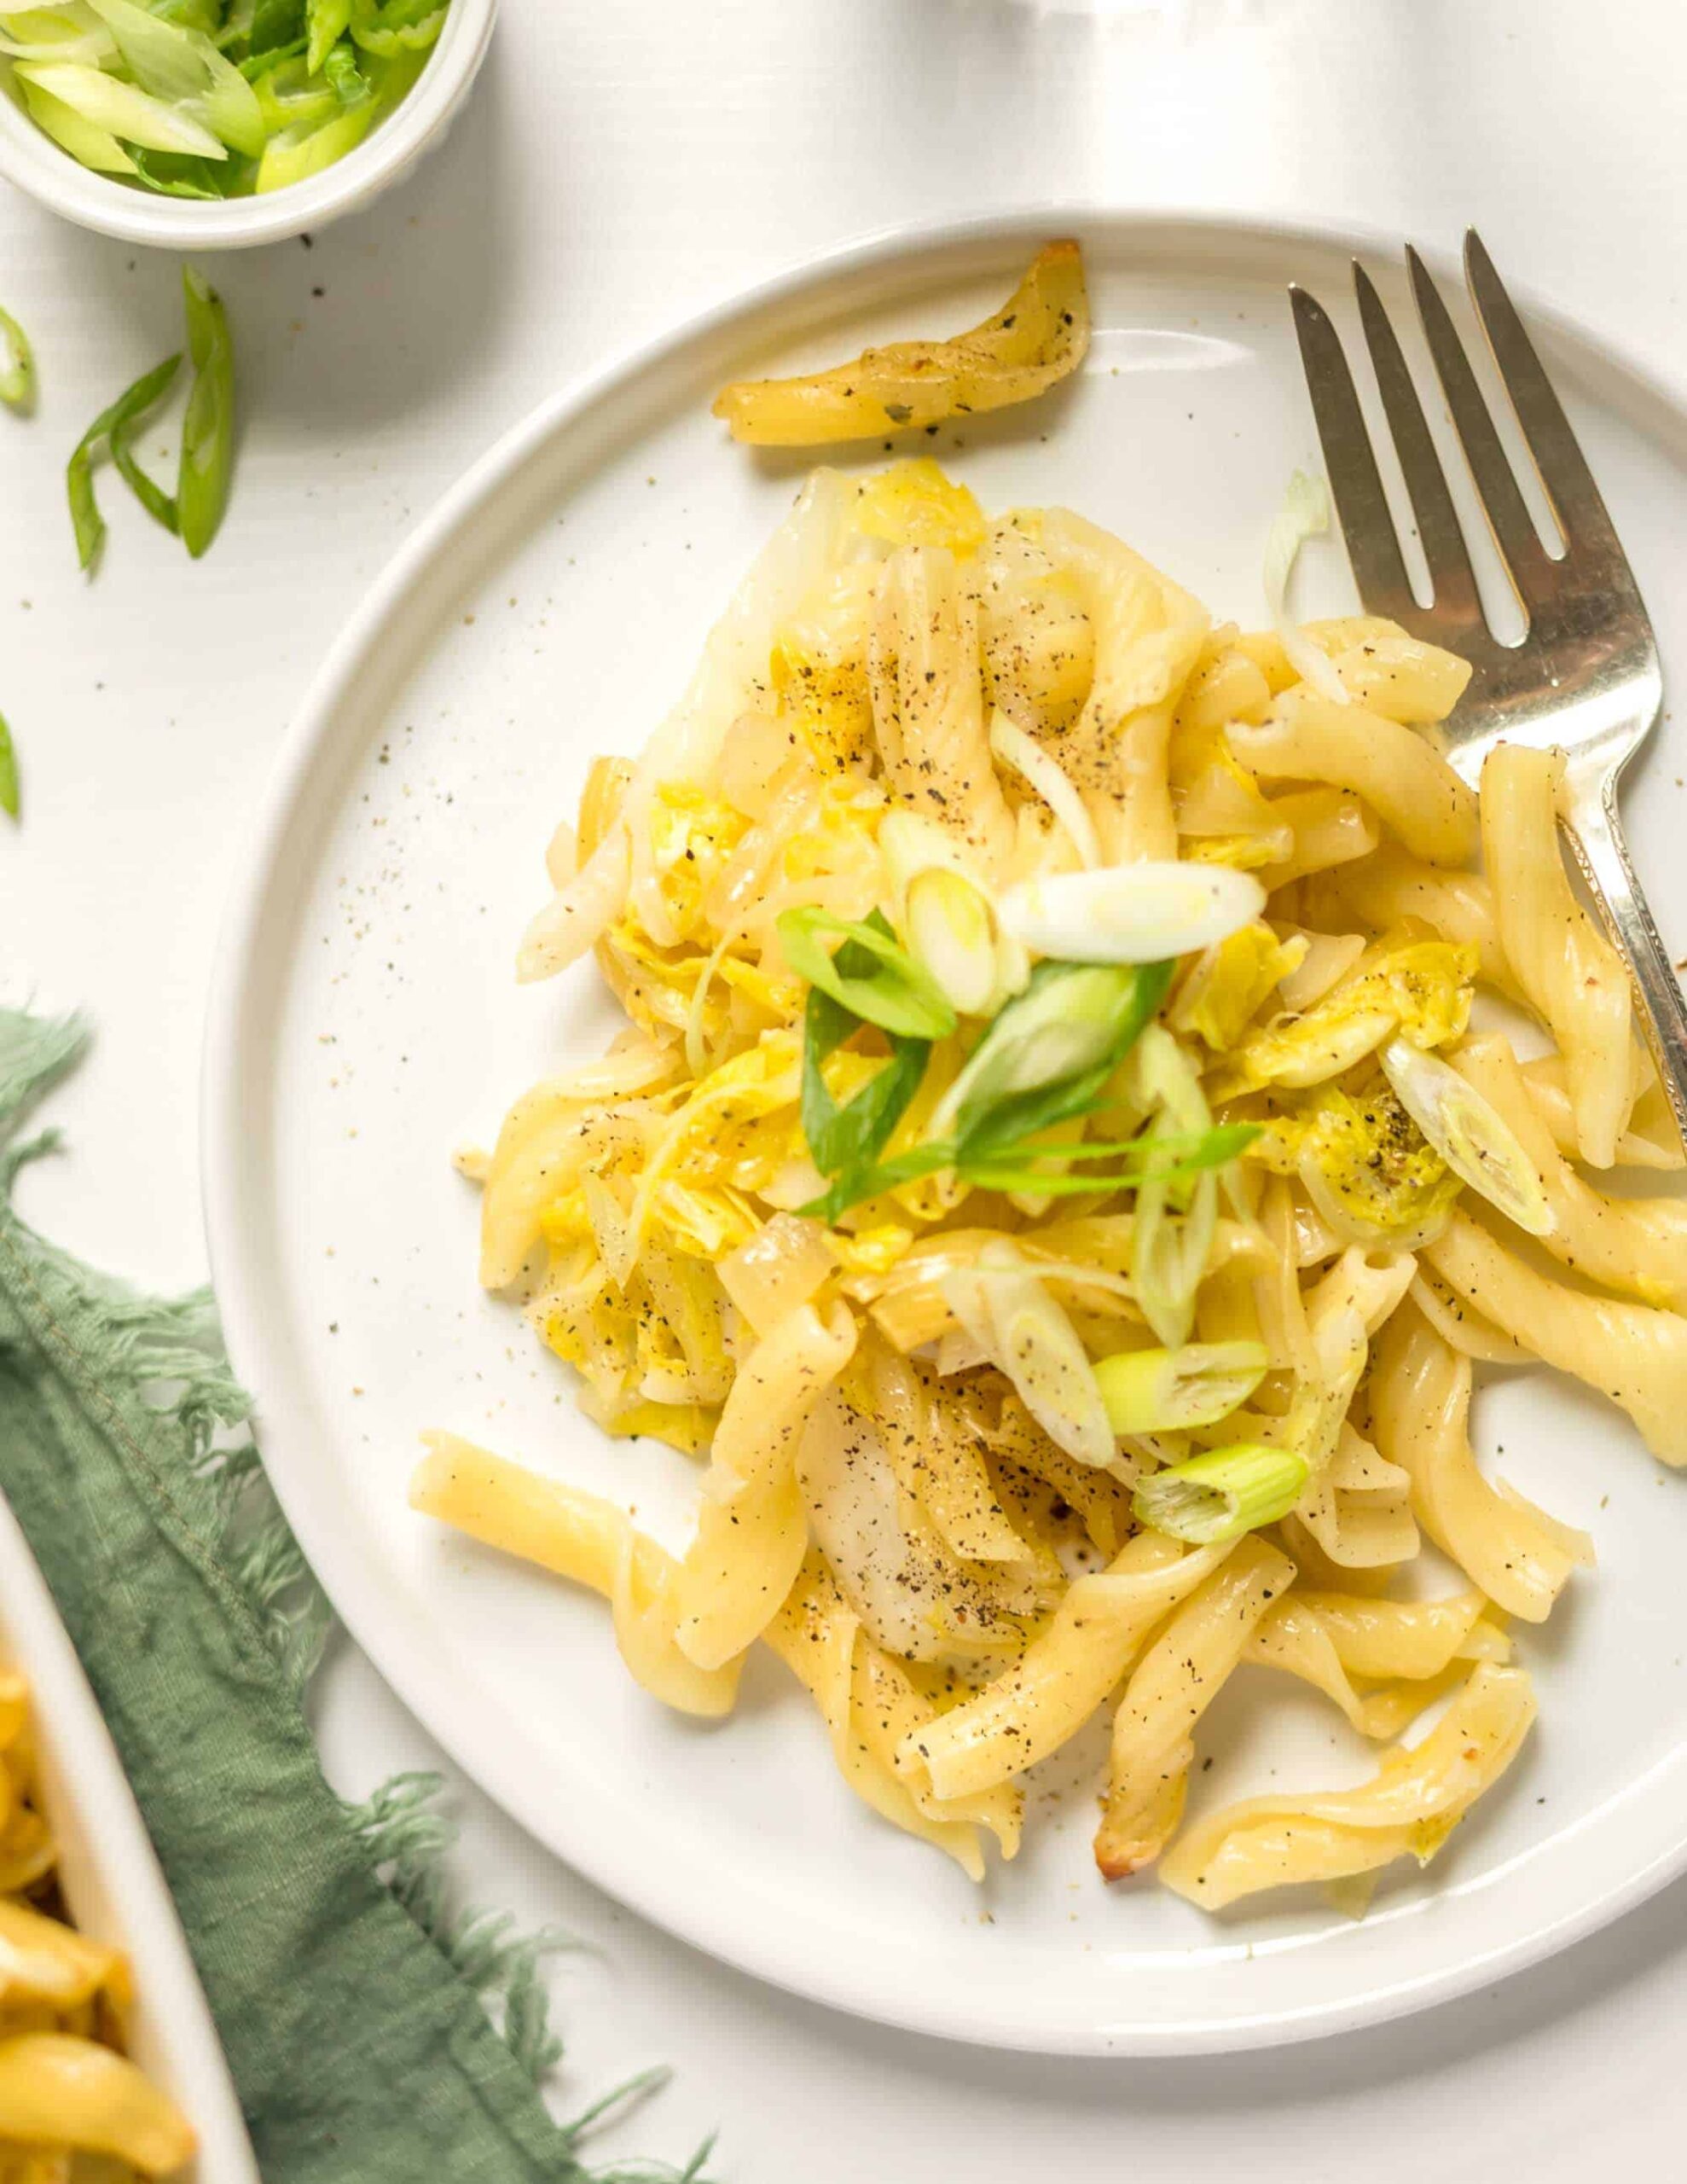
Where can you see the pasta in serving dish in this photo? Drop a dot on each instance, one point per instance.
(71, 2104)
(1051, 1180)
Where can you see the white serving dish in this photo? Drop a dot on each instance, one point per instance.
(35, 163)
(112, 1884)
(366, 1019)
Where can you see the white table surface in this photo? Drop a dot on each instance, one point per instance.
(618, 167)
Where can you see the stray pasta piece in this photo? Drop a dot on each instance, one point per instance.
(1408, 1809)
(1037, 337)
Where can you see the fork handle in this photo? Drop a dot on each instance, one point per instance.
(1596, 832)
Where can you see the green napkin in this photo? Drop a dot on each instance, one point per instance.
(353, 2009)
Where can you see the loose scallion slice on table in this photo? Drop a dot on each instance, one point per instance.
(129, 408)
(10, 801)
(1223, 1493)
(17, 380)
(215, 98)
(206, 464)
(207, 459)
(158, 505)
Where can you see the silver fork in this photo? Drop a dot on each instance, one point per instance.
(1585, 676)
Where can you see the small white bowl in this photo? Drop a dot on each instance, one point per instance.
(109, 1873)
(35, 163)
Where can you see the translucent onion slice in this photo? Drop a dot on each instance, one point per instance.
(783, 1265)
(1473, 1139)
(1141, 913)
(1051, 781)
(1305, 513)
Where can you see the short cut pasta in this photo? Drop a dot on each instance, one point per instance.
(1065, 1325)
(68, 2094)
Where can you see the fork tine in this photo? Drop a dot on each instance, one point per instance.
(1367, 525)
(1453, 583)
(1563, 470)
(1507, 512)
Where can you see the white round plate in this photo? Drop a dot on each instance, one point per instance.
(367, 1021)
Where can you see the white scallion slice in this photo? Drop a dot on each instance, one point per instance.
(1305, 513)
(951, 932)
(97, 149)
(122, 109)
(1221, 1496)
(1164, 1390)
(1051, 781)
(56, 34)
(1143, 912)
(944, 912)
(1472, 1137)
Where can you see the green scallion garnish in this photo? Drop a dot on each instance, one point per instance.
(1045, 1056)
(889, 990)
(1221, 1495)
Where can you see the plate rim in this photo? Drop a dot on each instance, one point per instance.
(311, 732)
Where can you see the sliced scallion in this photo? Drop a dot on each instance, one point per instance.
(390, 27)
(129, 408)
(207, 459)
(1475, 1140)
(158, 504)
(277, 25)
(215, 98)
(1219, 1496)
(340, 70)
(328, 20)
(1047, 1053)
(17, 382)
(896, 994)
(1164, 1390)
(8, 771)
(90, 147)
